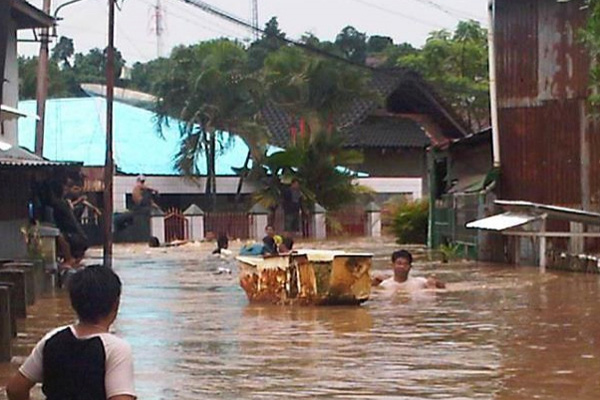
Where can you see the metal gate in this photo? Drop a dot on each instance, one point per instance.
(176, 226)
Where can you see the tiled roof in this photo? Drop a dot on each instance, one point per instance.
(383, 132)
(404, 91)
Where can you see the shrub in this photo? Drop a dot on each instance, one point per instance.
(410, 222)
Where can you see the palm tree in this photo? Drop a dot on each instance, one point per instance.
(315, 93)
(209, 90)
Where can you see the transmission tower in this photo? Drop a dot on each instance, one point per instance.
(256, 30)
(158, 26)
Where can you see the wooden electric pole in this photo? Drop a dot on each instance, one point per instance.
(109, 162)
(42, 85)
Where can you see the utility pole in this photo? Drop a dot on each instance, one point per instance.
(255, 32)
(42, 85)
(109, 162)
(158, 27)
(4, 18)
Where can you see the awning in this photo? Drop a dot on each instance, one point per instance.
(503, 221)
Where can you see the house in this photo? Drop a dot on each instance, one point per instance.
(545, 139)
(393, 136)
(462, 178)
(74, 130)
(20, 169)
(548, 145)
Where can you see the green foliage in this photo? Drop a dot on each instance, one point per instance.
(210, 90)
(268, 43)
(450, 252)
(63, 51)
(315, 162)
(61, 84)
(353, 44)
(457, 63)
(410, 222)
(590, 36)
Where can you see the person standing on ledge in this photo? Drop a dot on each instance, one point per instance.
(83, 360)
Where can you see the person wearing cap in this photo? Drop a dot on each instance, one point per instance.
(142, 194)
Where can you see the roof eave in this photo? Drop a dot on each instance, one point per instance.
(28, 16)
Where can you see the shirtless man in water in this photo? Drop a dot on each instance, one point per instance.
(402, 264)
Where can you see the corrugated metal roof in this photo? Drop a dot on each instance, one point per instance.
(75, 130)
(16, 156)
(557, 212)
(503, 221)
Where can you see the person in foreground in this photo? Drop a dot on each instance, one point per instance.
(84, 360)
(402, 264)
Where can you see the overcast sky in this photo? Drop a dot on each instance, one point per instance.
(403, 20)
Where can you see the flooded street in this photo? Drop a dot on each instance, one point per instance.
(495, 333)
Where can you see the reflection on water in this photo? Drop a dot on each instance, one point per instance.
(496, 332)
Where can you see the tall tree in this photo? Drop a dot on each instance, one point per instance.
(63, 51)
(315, 92)
(353, 44)
(270, 41)
(457, 63)
(210, 90)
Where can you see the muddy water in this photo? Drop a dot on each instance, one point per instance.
(496, 333)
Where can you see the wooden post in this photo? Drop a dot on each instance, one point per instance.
(109, 162)
(42, 85)
(5, 325)
(543, 245)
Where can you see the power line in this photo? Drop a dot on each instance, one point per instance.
(453, 12)
(238, 21)
(397, 13)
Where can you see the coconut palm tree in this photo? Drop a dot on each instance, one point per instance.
(210, 91)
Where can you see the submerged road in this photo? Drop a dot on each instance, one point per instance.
(497, 332)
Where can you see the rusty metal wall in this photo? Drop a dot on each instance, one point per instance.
(542, 76)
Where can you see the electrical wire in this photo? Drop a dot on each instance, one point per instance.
(397, 13)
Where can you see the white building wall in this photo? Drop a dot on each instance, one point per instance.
(123, 186)
(411, 186)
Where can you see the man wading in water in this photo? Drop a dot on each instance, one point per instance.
(82, 361)
(402, 264)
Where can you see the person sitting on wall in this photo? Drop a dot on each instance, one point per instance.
(269, 244)
(143, 195)
(401, 266)
(78, 201)
(72, 242)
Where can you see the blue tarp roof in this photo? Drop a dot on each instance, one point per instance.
(75, 131)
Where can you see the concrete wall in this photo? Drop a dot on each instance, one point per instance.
(12, 244)
(10, 94)
(174, 185)
(395, 186)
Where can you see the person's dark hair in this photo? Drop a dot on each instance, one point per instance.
(402, 254)
(94, 291)
(222, 241)
(294, 180)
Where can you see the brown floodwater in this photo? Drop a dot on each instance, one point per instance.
(497, 332)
